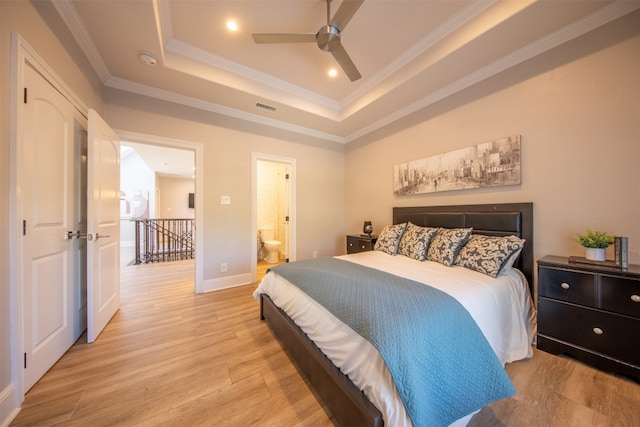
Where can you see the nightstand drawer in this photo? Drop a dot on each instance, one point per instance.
(621, 295)
(360, 244)
(364, 245)
(570, 286)
(609, 334)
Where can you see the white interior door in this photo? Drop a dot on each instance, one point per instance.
(51, 300)
(103, 225)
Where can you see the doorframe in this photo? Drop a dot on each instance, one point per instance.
(198, 149)
(21, 54)
(255, 157)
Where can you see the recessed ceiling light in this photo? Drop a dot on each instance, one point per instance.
(232, 25)
(333, 72)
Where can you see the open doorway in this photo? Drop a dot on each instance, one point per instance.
(157, 188)
(160, 187)
(273, 211)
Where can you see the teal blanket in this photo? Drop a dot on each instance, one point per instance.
(441, 363)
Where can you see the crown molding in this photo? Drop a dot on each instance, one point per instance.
(421, 46)
(169, 44)
(164, 95)
(70, 17)
(601, 17)
(162, 13)
(249, 73)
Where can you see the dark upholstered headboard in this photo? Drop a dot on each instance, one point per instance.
(494, 220)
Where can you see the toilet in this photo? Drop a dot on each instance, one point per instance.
(271, 246)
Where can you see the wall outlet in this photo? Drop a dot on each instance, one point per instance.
(223, 267)
(315, 254)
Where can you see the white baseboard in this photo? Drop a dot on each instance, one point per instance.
(9, 405)
(226, 282)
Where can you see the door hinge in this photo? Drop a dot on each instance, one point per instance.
(286, 218)
(25, 95)
(24, 227)
(25, 361)
(286, 176)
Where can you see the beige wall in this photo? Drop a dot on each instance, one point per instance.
(39, 25)
(227, 172)
(173, 193)
(578, 111)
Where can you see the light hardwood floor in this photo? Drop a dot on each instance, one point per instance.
(171, 357)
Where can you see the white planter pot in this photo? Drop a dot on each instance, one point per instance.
(596, 254)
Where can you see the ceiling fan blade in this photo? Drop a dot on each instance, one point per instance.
(284, 38)
(345, 12)
(340, 54)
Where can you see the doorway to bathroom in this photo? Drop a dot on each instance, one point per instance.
(273, 211)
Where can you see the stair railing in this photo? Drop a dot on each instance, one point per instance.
(162, 240)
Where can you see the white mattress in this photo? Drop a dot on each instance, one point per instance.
(501, 307)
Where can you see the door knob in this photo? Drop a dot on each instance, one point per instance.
(76, 234)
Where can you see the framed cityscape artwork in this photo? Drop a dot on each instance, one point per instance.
(489, 164)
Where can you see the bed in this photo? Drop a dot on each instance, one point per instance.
(341, 390)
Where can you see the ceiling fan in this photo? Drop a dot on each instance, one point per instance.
(327, 38)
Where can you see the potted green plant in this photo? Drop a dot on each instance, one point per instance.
(595, 243)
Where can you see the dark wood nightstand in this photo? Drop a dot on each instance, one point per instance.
(360, 243)
(591, 313)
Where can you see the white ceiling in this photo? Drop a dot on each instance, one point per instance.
(164, 161)
(411, 53)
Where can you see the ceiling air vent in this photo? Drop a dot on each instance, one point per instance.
(265, 107)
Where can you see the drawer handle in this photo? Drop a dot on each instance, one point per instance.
(635, 298)
(564, 285)
(598, 331)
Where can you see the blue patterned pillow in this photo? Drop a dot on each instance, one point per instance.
(389, 239)
(488, 254)
(415, 241)
(446, 244)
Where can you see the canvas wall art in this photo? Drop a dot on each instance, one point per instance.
(489, 164)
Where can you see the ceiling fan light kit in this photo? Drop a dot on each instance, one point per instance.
(327, 38)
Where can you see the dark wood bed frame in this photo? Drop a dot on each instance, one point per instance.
(347, 404)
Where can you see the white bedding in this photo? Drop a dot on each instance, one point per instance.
(501, 307)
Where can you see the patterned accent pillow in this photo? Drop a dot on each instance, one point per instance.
(389, 239)
(415, 241)
(488, 254)
(511, 260)
(446, 244)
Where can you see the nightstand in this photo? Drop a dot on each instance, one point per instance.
(360, 243)
(591, 313)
